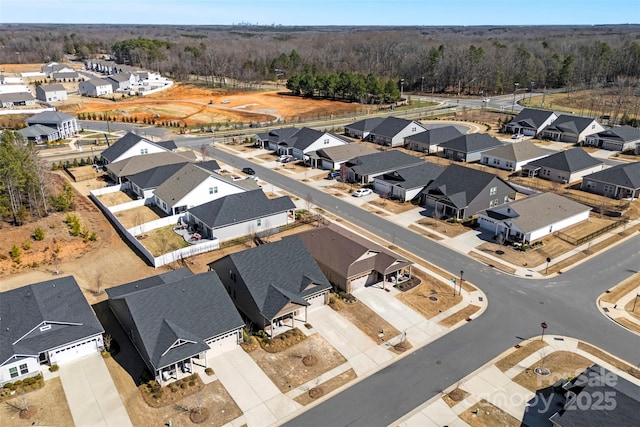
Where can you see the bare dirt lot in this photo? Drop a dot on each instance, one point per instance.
(190, 105)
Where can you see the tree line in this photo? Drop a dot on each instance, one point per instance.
(368, 89)
(473, 60)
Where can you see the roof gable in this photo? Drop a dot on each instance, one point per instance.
(624, 175)
(391, 126)
(573, 160)
(181, 183)
(382, 161)
(471, 143)
(532, 118)
(518, 152)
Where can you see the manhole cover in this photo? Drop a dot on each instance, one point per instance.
(432, 298)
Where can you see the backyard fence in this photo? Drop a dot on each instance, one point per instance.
(577, 241)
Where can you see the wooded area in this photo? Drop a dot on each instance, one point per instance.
(463, 60)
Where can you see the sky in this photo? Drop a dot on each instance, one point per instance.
(325, 12)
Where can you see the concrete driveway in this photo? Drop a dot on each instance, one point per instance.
(91, 393)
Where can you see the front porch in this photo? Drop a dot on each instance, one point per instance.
(192, 365)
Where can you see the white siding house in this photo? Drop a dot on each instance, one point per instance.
(95, 87)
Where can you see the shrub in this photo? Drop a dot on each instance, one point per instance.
(208, 371)
(38, 234)
(54, 368)
(15, 253)
(26, 245)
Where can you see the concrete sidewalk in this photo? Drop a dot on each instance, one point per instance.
(91, 393)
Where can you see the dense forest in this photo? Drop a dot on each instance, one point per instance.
(473, 60)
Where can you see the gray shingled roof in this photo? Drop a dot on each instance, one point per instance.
(241, 207)
(568, 123)
(98, 82)
(278, 273)
(348, 250)
(621, 133)
(381, 162)
(278, 135)
(195, 308)
(541, 210)
(167, 145)
(15, 97)
(36, 130)
(460, 184)
(49, 117)
(413, 176)
(152, 178)
(149, 282)
(339, 153)
(573, 160)
(436, 136)
(304, 138)
(54, 301)
(365, 125)
(532, 118)
(65, 75)
(142, 162)
(390, 126)
(122, 145)
(624, 175)
(181, 183)
(53, 87)
(519, 151)
(120, 77)
(472, 143)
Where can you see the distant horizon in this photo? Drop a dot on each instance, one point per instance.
(328, 13)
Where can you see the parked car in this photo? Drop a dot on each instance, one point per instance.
(361, 192)
(517, 136)
(248, 171)
(286, 158)
(226, 101)
(333, 174)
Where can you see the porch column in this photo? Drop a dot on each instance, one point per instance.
(409, 272)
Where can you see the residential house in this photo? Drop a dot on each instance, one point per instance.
(392, 131)
(562, 404)
(54, 67)
(16, 99)
(530, 122)
(66, 76)
(51, 92)
(95, 87)
(275, 283)
(192, 186)
(271, 140)
(307, 140)
(461, 192)
(406, 183)
(532, 218)
(122, 170)
(333, 157)
(242, 214)
(429, 140)
(363, 169)
(618, 182)
(45, 323)
(39, 134)
(469, 147)
(362, 128)
(512, 157)
(565, 166)
(143, 183)
(621, 138)
(176, 320)
(353, 262)
(122, 81)
(65, 124)
(131, 145)
(569, 128)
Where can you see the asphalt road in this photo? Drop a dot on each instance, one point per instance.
(516, 307)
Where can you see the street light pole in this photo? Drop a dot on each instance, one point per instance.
(513, 104)
(401, 89)
(461, 279)
(422, 84)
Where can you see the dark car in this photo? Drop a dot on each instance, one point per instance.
(248, 171)
(333, 174)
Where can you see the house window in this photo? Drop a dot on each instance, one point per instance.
(13, 372)
(259, 222)
(213, 190)
(608, 188)
(496, 161)
(24, 369)
(485, 160)
(506, 199)
(493, 191)
(144, 151)
(491, 203)
(413, 129)
(510, 165)
(326, 141)
(591, 185)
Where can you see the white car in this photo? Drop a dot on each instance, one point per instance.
(286, 158)
(361, 192)
(226, 101)
(486, 100)
(517, 136)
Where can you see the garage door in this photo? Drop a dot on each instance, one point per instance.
(316, 301)
(361, 282)
(74, 351)
(224, 342)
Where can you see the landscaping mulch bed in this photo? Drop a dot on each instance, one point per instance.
(283, 341)
(157, 397)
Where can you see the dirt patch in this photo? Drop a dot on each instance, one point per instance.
(454, 397)
(614, 361)
(420, 298)
(463, 314)
(50, 403)
(444, 227)
(551, 247)
(424, 232)
(485, 414)
(562, 364)
(138, 216)
(622, 289)
(189, 105)
(393, 206)
(162, 240)
(115, 199)
(521, 352)
(492, 263)
(565, 263)
(629, 324)
(365, 319)
(286, 368)
(326, 387)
